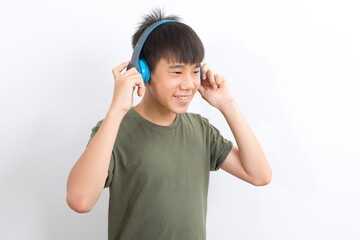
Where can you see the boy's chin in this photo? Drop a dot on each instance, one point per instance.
(180, 110)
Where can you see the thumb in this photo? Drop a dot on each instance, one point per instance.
(141, 89)
(201, 89)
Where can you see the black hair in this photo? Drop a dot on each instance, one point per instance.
(173, 41)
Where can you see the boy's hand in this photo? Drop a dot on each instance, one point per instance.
(124, 87)
(214, 88)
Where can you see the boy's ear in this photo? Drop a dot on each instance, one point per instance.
(147, 84)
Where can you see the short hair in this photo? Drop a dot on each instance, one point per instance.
(173, 41)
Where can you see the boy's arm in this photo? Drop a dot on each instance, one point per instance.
(87, 178)
(247, 161)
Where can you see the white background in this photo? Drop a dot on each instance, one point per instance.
(293, 66)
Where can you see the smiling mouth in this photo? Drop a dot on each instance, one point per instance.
(183, 97)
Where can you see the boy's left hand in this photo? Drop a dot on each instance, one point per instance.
(214, 88)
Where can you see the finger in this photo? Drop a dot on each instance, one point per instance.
(211, 78)
(204, 68)
(141, 86)
(140, 91)
(131, 71)
(132, 74)
(218, 79)
(122, 66)
(117, 70)
(201, 89)
(131, 77)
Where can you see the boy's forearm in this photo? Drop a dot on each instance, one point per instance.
(87, 177)
(251, 154)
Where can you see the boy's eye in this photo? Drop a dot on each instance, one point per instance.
(195, 72)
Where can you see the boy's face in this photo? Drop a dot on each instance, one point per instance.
(173, 85)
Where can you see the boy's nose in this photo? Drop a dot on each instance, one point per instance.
(187, 83)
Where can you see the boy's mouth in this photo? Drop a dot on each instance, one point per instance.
(183, 98)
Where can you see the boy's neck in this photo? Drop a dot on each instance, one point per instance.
(155, 113)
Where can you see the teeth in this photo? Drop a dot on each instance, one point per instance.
(183, 98)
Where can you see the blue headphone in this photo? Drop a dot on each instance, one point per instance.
(140, 64)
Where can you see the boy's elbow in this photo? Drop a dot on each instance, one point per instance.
(78, 204)
(264, 181)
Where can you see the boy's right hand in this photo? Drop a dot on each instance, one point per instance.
(124, 87)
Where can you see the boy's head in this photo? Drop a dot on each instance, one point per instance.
(173, 53)
(172, 41)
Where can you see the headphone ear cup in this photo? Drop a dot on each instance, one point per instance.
(144, 70)
(200, 74)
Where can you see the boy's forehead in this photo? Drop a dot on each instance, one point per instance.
(177, 64)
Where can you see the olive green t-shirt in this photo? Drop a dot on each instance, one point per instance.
(158, 177)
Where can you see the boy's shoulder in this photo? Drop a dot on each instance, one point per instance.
(195, 117)
(189, 117)
(192, 115)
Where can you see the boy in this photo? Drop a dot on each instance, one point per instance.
(156, 157)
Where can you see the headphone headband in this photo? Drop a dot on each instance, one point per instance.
(134, 62)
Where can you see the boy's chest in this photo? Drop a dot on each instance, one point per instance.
(170, 157)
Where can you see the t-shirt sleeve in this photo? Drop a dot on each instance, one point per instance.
(220, 147)
(112, 159)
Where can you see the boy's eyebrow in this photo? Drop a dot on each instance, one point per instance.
(181, 66)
